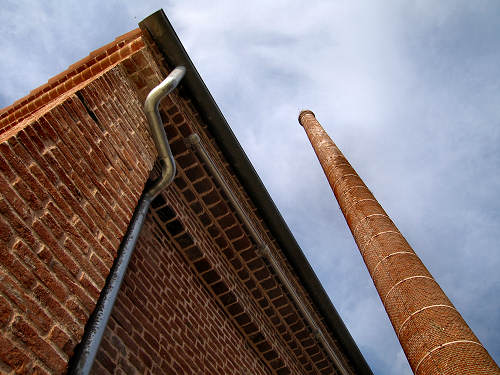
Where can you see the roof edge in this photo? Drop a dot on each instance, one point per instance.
(97, 62)
(170, 46)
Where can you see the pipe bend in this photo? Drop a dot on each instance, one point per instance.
(167, 175)
(163, 89)
(158, 132)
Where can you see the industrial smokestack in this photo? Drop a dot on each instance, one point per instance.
(433, 334)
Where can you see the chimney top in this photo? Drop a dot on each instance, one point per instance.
(303, 113)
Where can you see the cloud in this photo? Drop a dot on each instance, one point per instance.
(409, 91)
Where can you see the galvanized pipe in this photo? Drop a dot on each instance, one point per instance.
(81, 363)
(195, 142)
(165, 156)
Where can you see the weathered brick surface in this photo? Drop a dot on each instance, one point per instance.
(435, 338)
(70, 179)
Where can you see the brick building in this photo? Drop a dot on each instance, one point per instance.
(216, 284)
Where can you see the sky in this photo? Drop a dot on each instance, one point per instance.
(408, 90)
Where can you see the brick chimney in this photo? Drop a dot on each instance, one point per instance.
(433, 334)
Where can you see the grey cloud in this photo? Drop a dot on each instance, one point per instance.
(408, 90)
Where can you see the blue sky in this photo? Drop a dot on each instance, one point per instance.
(409, 91)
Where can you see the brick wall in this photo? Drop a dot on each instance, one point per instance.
(70, 177)
(197, 298)
(165, 321)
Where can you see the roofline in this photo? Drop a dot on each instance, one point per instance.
(38, 101)
(173, 51)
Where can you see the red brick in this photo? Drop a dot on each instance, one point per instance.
(62, 274)
(13, 356)
(40, 270)
(61, 340)
(77, 311)
(25, 192)
(54, 246)
(89, 287)
(15, 267)
(28, 335)
(7, 170)
(58, 311)
(14, 200)
(5, 312)
(24, 232)
(20, 166)
(82, 260)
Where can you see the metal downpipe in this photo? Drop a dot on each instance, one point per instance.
(194, 141)
(83, 359)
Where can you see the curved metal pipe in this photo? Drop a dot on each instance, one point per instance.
(165, 156)
(81, 363)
